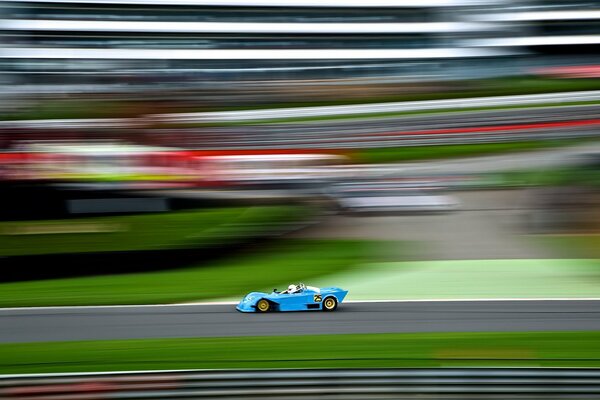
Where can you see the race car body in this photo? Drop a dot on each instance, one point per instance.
(297, 298)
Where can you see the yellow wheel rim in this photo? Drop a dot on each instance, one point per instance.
(329, 304)
(263, 305)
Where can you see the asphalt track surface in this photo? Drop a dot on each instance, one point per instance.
(103, 323)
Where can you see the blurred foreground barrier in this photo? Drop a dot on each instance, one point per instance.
(323, 111)
(443, 383)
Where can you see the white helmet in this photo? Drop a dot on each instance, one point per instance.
(291, 289)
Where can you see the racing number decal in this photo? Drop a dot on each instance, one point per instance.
(317, 298)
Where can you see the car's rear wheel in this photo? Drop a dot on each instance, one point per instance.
(330, 304)
(263, 306)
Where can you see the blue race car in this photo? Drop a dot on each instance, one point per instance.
(296, 298)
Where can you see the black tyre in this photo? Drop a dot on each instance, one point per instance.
(330, 304)
(263, 306)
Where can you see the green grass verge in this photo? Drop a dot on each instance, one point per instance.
(549, 177)
(282, 262)
(415, 153)
(583, 245)
(547, 349)
(142, 232)
(471, 279)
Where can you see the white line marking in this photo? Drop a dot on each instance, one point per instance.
(101, 373)
(114, 306)
(170, 371)
(478, 300)
(345, 302)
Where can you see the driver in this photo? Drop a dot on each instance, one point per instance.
(291, 289)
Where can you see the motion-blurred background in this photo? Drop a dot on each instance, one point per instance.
(183, 151)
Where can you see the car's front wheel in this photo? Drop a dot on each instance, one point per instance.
(330, 304)
(263, 306)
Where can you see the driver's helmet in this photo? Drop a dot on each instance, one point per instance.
(291, 289)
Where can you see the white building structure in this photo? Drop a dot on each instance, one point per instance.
(119, 44)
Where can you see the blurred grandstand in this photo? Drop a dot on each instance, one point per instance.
(137, 58)
(190, 50)
(93, 47)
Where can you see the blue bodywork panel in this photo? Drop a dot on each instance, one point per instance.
(308, 298)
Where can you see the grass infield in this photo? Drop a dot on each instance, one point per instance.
(280, 262)
(416, 153)
(547, 349)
